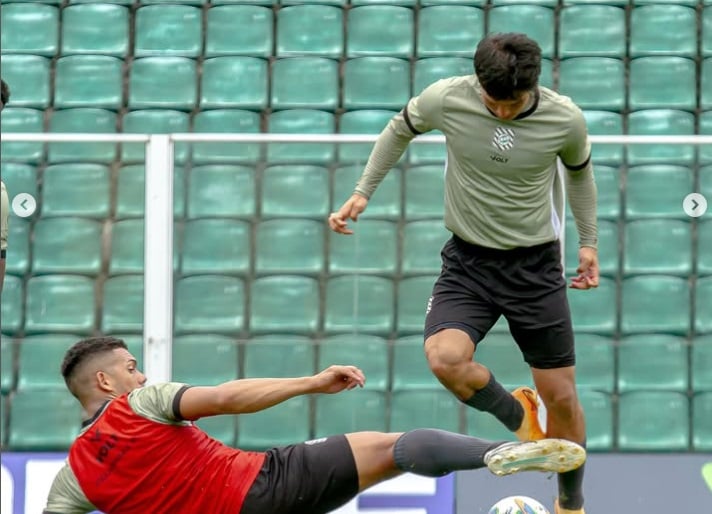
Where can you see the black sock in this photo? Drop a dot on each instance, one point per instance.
(571, 488)
(495, 399)
(435, 453)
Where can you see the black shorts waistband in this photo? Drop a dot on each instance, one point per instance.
(498, 253)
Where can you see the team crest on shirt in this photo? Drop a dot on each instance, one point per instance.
(503, 138)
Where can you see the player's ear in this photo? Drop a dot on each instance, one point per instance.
(103, 381)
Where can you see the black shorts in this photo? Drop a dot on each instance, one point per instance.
(525, 285)
(315, 477)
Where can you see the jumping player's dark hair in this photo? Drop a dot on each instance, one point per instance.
(507, 64)
(4, 93)
(85, 350)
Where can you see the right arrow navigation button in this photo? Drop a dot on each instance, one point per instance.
(694, 205)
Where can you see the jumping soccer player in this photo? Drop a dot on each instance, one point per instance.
(140, 451)
(503, 205)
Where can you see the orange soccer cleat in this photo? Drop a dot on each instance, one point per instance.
(531, 429)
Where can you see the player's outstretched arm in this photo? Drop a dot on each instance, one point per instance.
(256, 394)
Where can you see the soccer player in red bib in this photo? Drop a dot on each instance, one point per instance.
(139, 450)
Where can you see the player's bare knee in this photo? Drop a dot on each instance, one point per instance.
(563, 403)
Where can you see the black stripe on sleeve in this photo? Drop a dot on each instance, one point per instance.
(406, 117)
(580, 166)
(3, 254)
(176, 402)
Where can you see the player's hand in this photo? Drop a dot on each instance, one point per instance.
(335, 379)
(351, 210)
(588, 269)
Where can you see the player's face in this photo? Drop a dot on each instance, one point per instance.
(506, 109)
(125, 373)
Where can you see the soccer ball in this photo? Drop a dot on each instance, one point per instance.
(518, 505)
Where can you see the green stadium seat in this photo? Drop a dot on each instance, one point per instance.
(702, 422)
(82, 120)
(127, 247)
(76, 190)
(296, 35)
(284, 303)
(12, 305)
(598, 407)
(209, 303)
(661, 122)
(189, 2)
(480, 3)
(255, 37)
(410, 366)
(227, 121)
(59, 303)
(101, 28)
(605, 123)
(367, 121)
(546, 78)
(607, 249)
(653, 421)
(168, 30)
(594, 82)
(432, 408)
(657, 191)
(536, 21)
(372, 248)
(231, 2)
(608, 182)
(706, 89)
(204, 359)
(595, 311)
(18, 252)
(500, 353)
(305, 83)
(301, 121)
(122, 2)
(385, 203)
(296, 356)
(430, 70)
(592, 30)
(221, 428)
(216, 245)
(30, 28)
(413, 294)
(484, 425)
(234, 82)
(376, 83)
(704, 245)
(163, 83)
(21, 119)
(43, 420)
(652, 362)
(154, 121)
(663, 30)
(131, 191)
(359, 304)
(424, 192)
(279, 184)
(595, 363)
(281, 425)
(35, 355)
(4, 408)
(379, 30)
(221, 190)
(303, 238)
(28, 76)
(422, 242)
(449, 30)
(67, 245)
(703, 302)
(655, 303)
(706, 46)
(408, 3)
(706, 180)
(355, 411)
(122, 309)
(674, 256)
(662, 82)
(7, 372)
(368, 352)
(18, 178)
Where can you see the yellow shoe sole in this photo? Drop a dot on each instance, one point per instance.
(546, 455)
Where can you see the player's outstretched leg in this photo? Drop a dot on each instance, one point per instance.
(435, 453)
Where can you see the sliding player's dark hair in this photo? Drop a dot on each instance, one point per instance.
(507, 64)
(82, 352)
